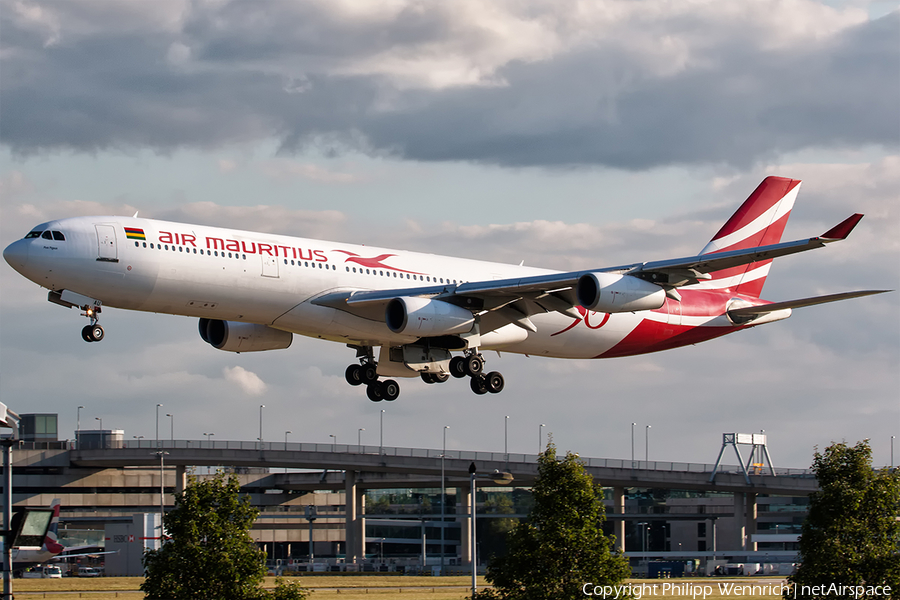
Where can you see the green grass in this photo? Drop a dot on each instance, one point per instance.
(359, 587)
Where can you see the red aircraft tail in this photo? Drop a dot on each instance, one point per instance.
(759, 221)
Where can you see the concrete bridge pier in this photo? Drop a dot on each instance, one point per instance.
(355, 522)
(619, 509)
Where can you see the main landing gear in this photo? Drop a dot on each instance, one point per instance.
(366, 373)
(93, 332)
(472, 365)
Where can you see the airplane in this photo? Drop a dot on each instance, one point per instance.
(253, 291)
(51, 549)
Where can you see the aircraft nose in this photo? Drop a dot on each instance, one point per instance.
(16, 254)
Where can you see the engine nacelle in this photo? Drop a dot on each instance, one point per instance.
(612, 293)
(426, 317)
(233, 336)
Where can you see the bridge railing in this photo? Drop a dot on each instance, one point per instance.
(511, 458)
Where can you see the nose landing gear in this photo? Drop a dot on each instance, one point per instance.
(93, 332)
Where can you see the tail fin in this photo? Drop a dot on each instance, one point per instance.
(51, 541)
(759, 221)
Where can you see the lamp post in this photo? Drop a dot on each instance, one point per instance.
(208, 436)
(498, 478)
(381, 434)
(359, 437)
(261, 407)
(541, 438)
(632, 444)
(171, 426)
(138, 438)
(892, 452)
(78, 420)
(443, 496)
(647, 444)
(157, 424)
(333, 441)
(101, 431)
(506, 440)
(285, 438)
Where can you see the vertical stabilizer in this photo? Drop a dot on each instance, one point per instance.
(759, 221)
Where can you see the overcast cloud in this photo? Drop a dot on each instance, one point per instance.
(565, 135)
(619, 83)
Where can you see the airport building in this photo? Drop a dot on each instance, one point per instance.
(355, 507)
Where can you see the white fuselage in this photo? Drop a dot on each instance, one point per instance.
(269, 279)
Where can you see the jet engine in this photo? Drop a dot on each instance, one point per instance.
(613, 293)
(426, 317)
(234, 336)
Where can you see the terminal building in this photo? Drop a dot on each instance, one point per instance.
(349, 507)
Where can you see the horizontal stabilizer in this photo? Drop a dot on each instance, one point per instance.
(752, 311)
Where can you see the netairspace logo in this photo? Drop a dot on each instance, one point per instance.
(727, 589)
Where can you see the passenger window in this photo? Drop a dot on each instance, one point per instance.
(58, 236)
(47, 236)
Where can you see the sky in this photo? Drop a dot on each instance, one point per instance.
(567, 135)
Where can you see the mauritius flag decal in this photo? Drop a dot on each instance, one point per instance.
(133, 233)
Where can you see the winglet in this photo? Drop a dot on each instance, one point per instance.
(842, 229)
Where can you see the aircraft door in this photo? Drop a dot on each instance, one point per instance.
(106, 243)
(269, 266)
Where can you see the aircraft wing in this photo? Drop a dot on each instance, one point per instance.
(755, 311)
(514, 300)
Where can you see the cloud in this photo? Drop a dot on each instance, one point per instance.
(617, 83)
(248, 382)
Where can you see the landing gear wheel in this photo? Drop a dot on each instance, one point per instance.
(494, 382)
(373, 391)
(474, 365)
(390, 389)
(428, 378)
(86, 333)
(353, 375)
(440, 377)
(368, 373)
(478, 385)
(95, 332)
(458, 366)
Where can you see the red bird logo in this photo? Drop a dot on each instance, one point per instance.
(374, 262)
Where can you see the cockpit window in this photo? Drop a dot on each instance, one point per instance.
(32, 235)
(47, 235)
(58, 236)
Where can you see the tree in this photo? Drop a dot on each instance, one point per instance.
(561, 545)
(851, 536)
(208, 552)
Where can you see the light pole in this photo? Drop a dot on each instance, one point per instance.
(359, 437)
(506, 440)
(157, 424)
(541, 438)
(78, 420)
(892, 452)
(208, 435)
(647, 444)
(285, 438)
(101, 431)
(498, 478)
(443, 495)
(261, 407)
(632, 444)
(171, 425)
(138, 438)
(333, 441)
(381, 435)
